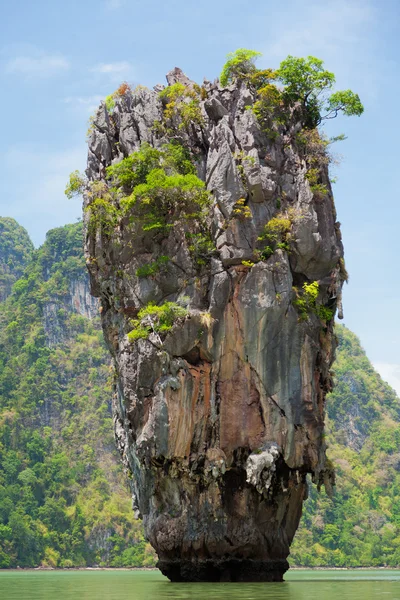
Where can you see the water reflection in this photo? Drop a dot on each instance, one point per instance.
(134, 585)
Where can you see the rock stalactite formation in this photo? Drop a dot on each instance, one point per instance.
(219, 416)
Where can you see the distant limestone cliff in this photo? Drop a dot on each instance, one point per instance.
(213, 245)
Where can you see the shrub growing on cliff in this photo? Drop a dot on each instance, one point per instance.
(156, 203)
(134, 169)
(162, 186)
(276, 234)
(306, 302)
(153, 267)
(240, 65)
(156, 319)
(103, 214)
(111, 98)
(183, 104)
(76, 185)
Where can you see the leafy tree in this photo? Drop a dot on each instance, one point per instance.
(76, 185)
(306, 81)
(240, 64)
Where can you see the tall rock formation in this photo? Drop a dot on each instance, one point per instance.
(219, 407)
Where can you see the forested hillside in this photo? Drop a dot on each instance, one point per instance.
(16, 250)
(360, 525)
(63, 497)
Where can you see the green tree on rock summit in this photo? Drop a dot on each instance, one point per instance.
(305, 82)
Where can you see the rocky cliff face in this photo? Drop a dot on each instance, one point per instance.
(77, 300)
(220, 416)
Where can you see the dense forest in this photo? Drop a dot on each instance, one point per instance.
(360, 525)
(63, 497)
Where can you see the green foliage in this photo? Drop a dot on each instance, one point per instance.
(276, 228)
(63, 500)
(276, 234)
(318, 189)
(182, 105)
(134, 169)
(161, 187)
(239, 65)
(306, 81)
(306, 302)
(307, 85)
(241, 210)
(360, 525)
(156, 319)
(201, 246)
(103, 216)
(76, 185)
(16, 250)
(110, 102)
(152, 268)
(111, 98)
(157, 203)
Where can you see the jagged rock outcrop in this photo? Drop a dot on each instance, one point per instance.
(220, 419)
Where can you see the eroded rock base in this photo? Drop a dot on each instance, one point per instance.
(233, 570)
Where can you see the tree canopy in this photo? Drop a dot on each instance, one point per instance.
(305, 81)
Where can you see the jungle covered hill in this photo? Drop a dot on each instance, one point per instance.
(64, 501)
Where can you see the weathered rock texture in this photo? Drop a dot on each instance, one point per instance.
(221, 422)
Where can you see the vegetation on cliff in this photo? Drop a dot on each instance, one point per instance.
(15, 251)
(63, 500)
(305, 84)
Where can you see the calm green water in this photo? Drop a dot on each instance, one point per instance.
(151, 585)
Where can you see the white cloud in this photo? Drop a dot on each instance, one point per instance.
(85, 103)
(114, 71)
(390, 372)
(42, 65)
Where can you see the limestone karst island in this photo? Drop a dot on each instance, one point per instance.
(214, 263)
(212, 241)
(198, 218)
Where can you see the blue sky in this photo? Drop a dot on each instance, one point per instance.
(58, 59)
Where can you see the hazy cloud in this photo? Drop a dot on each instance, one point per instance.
(85, 103)
(114, 71)
(43, 65)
